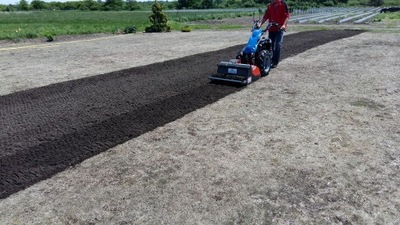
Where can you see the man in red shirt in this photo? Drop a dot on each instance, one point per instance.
(277, 12)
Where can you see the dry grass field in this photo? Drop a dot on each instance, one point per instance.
(315, 142)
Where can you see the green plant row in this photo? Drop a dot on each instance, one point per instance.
(389, 16)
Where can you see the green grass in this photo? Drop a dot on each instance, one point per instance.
(389, 16)
(389, 22)
(17, 25)
(33, 24)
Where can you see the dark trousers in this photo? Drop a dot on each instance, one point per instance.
(276, 39)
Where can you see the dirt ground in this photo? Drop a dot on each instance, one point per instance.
(315, 142)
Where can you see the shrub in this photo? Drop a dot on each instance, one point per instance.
(186, 28)
(50, 38)
(158, 19)
(31, 35)
(130, 29)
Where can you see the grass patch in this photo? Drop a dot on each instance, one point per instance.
(35, 24)
(388, 16)
(17, 25)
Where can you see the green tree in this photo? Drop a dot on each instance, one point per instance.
(232, 3)
(89, 5)
(188, 4)
(182, 4)
(132, 5)
(158, 19)
(38, 5)
(207, 4)
(264, 2)
(375, 2)
(113, 5)
(69, 5)
(9, 8)
(248, 3)
(23, 5)
(171, 5)
(218, 3)
(54, 5)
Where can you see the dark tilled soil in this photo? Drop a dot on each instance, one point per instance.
(49, 129)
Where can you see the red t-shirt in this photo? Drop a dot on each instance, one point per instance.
(277, 13)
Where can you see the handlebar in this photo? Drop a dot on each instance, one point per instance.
(257, 25)
(272, 24)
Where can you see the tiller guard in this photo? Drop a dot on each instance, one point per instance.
(236, 72)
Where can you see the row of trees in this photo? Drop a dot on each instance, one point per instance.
(23, 5)
(106, 5)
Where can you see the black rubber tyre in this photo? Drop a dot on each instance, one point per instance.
(266, 67)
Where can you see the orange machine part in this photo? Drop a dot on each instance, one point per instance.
(255, 71)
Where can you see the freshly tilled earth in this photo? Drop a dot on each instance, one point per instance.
(48, 129)
(240, 173)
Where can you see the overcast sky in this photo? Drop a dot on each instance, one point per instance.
(6, 2)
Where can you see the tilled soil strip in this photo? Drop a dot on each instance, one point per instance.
(46, 130)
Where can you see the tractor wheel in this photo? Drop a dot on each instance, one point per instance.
(266, 65)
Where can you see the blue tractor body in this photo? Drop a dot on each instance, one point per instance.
(251, 63)
(252, 44)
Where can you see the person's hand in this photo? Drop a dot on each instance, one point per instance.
(283, 28)
(259, 24)
(262, 22)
